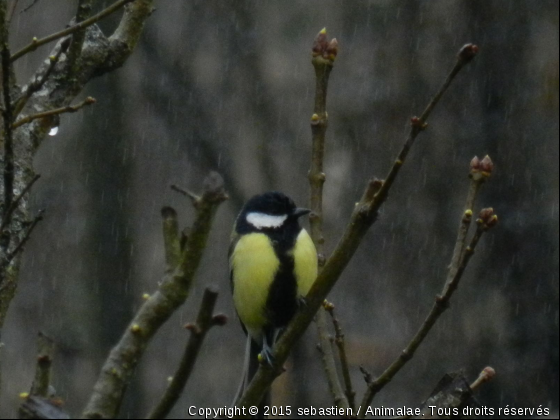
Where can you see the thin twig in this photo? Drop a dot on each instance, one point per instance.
(204, 322)
(36, 43)
(341, 345)
(323, 65)
(440, 305)
(329, 364)
(63, 110)
(45, 351)
(368, 378)
(193, 197)
(27, 235)
(171, 294)
(477, 178)
(419, 124)
(319, 122)
(363, 216)
(8, 216)
(27, 8)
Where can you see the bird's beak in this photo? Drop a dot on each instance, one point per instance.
(300, 212)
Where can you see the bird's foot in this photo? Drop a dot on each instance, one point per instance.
(301, 302)
(266, 357)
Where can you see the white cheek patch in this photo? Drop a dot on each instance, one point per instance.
(263, 220)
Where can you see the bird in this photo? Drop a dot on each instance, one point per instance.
(273, 264)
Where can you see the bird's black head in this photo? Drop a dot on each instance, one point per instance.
(269, 211)
(273, 203)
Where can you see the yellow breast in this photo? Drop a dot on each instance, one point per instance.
(254, 264)
(305, 260)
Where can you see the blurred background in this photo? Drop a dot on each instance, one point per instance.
(228, 86)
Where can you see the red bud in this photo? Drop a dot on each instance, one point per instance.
(486, 214)
(475, 164)
(486, 165)
(468, 52)
(493, 221)
(332, 49)
(324, 48)
(320, 44)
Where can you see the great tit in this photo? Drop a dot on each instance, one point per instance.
(273, 264)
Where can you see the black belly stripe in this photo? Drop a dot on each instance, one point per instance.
(282, 302)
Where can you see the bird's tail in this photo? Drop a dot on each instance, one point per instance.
(250, 367)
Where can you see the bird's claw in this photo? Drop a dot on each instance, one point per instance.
(266, 357)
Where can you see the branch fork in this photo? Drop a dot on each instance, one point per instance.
(171, 294)
(363, 216)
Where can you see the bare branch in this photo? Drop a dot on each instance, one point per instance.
(204, 322)
(329, 364)
(478, 177)
(323, 65)
(99, 56)
(340, 344)
(193, 197)
(30, 6)
(172, 293)
(36, 43)
(367, 376)
(486, 221)
(364, 215)
(7, 217)
(63, 110)
(420, 124)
